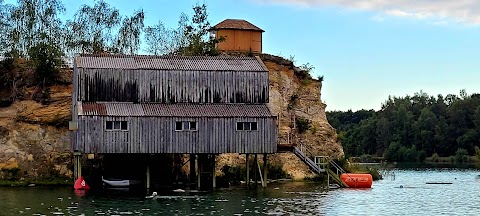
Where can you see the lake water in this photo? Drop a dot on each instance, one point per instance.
(386, 197)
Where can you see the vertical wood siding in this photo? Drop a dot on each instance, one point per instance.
(240, 40)
(165, 86)
(158, 135)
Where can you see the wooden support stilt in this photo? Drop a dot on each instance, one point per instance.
(148, 176)
(199, 171)
(247, 168)
(77, 165)
(328, 181)
(193, 174)
(260, 173)
(255, 175)
(214, 179)
(265, 170)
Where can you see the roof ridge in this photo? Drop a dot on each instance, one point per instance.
(236, 24)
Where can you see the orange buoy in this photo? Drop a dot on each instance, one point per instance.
(356, 180)
(80, 184)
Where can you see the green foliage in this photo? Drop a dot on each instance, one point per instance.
(303, 72)
(91, 28)
(30, 23)
(303, 124)
(190, 38)
(477, 153)
(46, 61)
(461, 155)
(409, 128)
(128, 38)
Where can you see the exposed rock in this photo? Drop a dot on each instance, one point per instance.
(293, 97)
(36, 150)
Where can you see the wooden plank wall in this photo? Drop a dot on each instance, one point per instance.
(158, 135)
(240, 40)
(172, 86)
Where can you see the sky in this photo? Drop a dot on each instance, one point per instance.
(366, 50)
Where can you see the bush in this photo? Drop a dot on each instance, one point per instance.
(461, 155)
(303, 124)
(395, 152)
(434, 157)
(47, 61)
(477, 153)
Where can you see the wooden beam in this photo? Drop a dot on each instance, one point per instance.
(255, 175)
(199, 171)
(265, 170)
(247, 168)
(148, 176)
(192, 170)
(214, 183)
(260, 172)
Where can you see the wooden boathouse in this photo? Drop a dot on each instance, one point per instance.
(195, 105)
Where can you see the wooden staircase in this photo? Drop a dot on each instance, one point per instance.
(319, 166)
(309, 162)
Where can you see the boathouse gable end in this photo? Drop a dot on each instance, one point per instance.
(153, 128)
(162, 79)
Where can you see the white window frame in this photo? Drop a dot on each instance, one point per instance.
(187, 125)
(120, 124)
(244, 123)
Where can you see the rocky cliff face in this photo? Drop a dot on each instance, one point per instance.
(35, 142)
(295, 97)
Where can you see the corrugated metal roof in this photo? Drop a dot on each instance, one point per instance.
(236, 24)
(177, 110)
(189, 63)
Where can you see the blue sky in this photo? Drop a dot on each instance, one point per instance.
(365, 49)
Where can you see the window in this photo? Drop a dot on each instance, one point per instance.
(247, 126)
(116, 126)
(186, 126)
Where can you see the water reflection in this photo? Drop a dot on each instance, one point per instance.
(415, 197)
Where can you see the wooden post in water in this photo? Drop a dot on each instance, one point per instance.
(192, 170)
(255, 178)
(77, 165)
(264, 170)
(247, 168)
(148, 176)
(199, 171)
(328, 181)
(214, 183)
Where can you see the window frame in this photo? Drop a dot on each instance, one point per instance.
(185, 124)
(113, 124)
(244, 126)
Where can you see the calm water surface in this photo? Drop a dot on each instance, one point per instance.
(386, 197)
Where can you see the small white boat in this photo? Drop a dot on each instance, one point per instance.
(119, 182)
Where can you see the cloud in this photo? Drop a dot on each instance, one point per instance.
(464, 11)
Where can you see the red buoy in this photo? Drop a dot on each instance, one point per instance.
(80, 184)
(356, 180)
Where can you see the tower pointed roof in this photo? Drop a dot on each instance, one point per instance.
(236, 24)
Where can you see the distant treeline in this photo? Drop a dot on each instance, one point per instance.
(412, 128)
